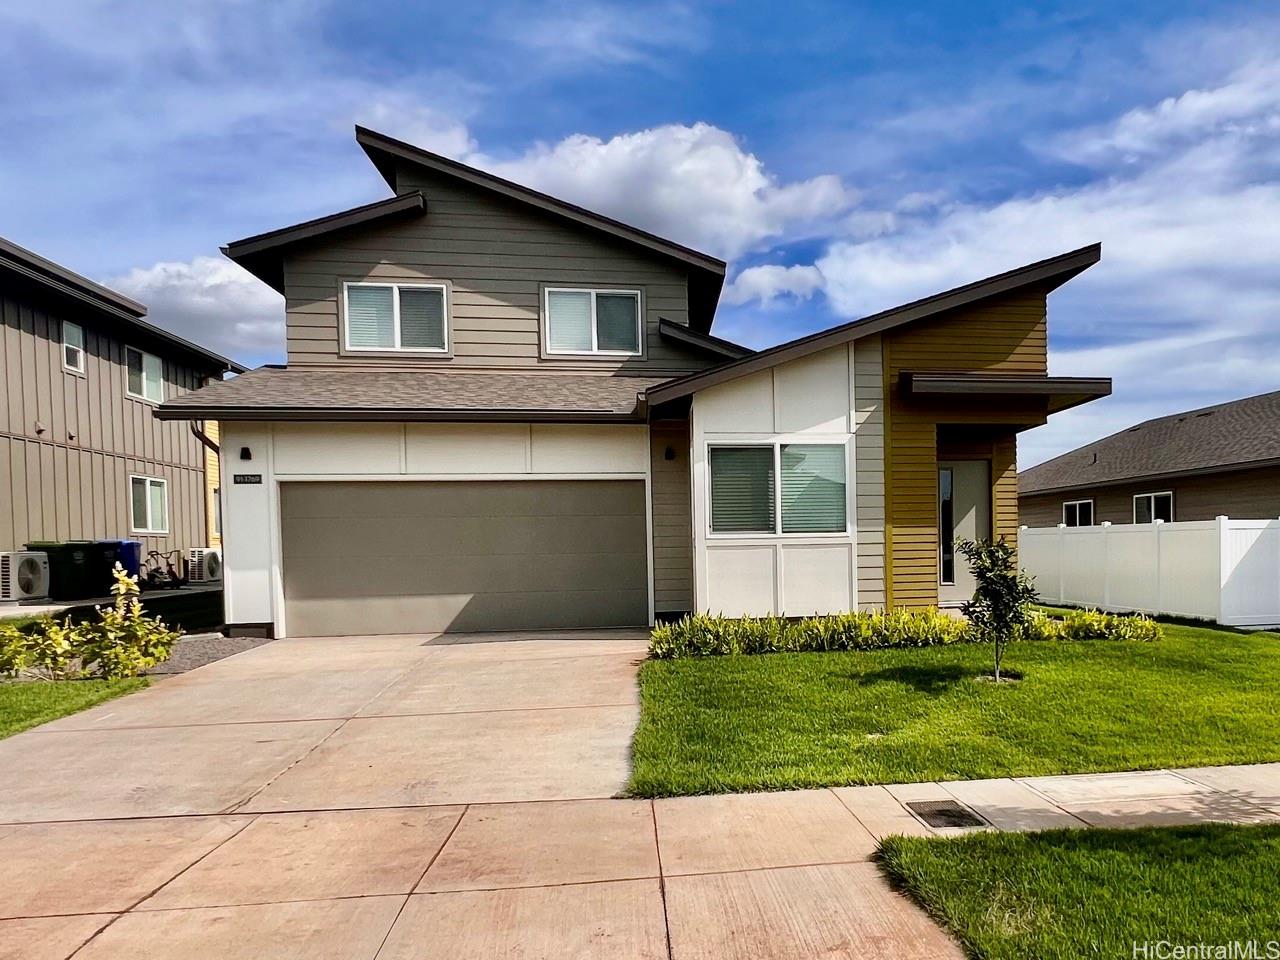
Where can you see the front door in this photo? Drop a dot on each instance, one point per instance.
(964, 513)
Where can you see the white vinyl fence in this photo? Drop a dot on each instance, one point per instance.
(1224, 570)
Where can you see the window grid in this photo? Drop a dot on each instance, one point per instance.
(396, 334)
(595, 350)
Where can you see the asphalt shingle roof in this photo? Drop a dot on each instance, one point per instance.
(356, 391)
(1228, 434)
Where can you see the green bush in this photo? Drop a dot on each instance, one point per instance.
(122, 643)
(999, 610)
(702, 635)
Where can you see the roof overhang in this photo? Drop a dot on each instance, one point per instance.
(1059, 393)
(1163, 475)
(1047, 275)
(263, 255)
(396, 414)
(703, 342)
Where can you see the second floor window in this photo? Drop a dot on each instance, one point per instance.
(146, 375)
(605, 322)
(73, 346)
(396, 316)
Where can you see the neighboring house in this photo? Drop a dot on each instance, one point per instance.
(1222, 460)
(503, 411)
(81, 456)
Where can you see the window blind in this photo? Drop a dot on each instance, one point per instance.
(616, 326)
(421, 319)
(138, 491)
(370, 317)
(569, 320)
(742, 489)
(158, 518)
(813, 497)
(153, 378)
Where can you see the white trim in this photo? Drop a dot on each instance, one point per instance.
(143, 396)
(79, 348)
(1077, 504)
(595, 350)
(369, 477)
(395, 286)
(805, 440)
(133, 521)
(1153, 495)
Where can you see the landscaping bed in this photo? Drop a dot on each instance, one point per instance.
(1096, 893)
(1196, 697)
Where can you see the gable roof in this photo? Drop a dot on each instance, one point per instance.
(1235, 435)
(22, 263)
(261, 255)
(706, 273)
(1046, 274)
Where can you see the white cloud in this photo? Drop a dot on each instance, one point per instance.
(694, 184)
(770, 281)
(595, 34)
(212, 302)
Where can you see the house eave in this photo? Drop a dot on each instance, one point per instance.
(1153, 477)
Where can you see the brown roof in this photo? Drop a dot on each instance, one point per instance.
(278, 393)
(1227, 436)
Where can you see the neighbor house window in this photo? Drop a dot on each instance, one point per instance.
(1149, 507)
(397, 316)
(747, 498)
(73, 346)
(592, 321)
(146, 375)
(149, 505)
(1077, 513)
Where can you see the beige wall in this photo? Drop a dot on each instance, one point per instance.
(1242, 494)
(495, 255)
(672, 518)
(69, 442)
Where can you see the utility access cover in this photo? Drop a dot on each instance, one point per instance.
(945, 813)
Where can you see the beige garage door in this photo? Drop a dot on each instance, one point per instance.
(407, 557)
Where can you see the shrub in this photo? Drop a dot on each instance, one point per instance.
(1093, 625)
(1000, 609)
(702, 635)
(122, 643)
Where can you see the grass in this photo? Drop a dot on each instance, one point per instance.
(783, 721)
(25, 705)
(1095, 893)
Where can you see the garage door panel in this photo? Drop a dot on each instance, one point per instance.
(405, 556)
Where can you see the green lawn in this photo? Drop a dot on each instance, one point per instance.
(1095, 893)
(780, 721)
(24, 705)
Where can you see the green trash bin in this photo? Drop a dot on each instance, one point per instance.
(71, 569)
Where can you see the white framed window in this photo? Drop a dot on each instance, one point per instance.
(401, 317)
(72, 346)
(588, 322)
(145, 375)
(764, 489)
(1150, 507)
(1077, 513)
(148, 504)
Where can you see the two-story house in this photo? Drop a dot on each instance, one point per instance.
(503, 411)
(81, 456)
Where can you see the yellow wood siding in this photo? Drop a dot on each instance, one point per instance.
(212, 484)
(1004, 335)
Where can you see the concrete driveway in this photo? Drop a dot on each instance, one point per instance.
(414, 797)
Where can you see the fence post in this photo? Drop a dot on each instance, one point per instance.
(1159, 576)
(1106, 564)
(1222, 565)
(1062, 566)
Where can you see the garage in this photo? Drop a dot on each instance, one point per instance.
(417, 557)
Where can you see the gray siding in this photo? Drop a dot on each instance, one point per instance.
(1242, 494)
(672, 518)
(496, 255)
(868, 438)
(68, 443)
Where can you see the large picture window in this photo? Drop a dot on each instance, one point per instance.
(747, 497)
(1150, 507)
(412, 318)
(605, 322)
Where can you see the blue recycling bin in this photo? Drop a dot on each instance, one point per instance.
(129, 553)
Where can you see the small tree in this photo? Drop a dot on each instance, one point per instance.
(998, 610)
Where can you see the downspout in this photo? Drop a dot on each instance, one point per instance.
(197, 428)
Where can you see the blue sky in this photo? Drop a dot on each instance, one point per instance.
(843, 157)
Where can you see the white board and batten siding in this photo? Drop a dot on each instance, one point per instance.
(302, 452)
(812, 400)
(1225, 570)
